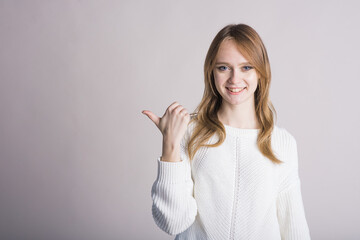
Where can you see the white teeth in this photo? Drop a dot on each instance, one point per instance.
(235, 89)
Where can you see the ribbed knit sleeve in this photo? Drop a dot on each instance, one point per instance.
(174, 208)
(290, 208)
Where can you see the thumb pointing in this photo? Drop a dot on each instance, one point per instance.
(152, 116)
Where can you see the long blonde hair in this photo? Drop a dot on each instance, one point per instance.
(207, 122)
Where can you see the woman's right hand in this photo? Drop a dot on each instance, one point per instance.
(172, 124)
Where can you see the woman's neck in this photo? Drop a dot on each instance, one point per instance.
(239, 116)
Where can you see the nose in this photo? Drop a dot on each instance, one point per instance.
(236, 76)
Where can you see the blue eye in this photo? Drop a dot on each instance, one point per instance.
(222, 68)
(248, 68)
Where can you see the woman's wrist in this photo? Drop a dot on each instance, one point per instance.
(170, 151)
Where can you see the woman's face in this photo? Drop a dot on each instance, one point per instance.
(235, 79)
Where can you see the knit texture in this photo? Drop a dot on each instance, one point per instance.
(232, 191)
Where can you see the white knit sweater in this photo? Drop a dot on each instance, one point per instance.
(232, 191)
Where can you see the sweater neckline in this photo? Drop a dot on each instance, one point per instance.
(241, 131)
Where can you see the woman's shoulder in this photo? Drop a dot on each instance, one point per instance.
(281, 134)
(284, 144)
(189, 130)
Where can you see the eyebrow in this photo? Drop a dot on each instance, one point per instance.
(217, 63)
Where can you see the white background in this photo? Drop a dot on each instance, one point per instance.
(77, 157)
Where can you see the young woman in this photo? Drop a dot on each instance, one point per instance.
(227, 171)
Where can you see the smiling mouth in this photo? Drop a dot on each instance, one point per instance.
(235, 90)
